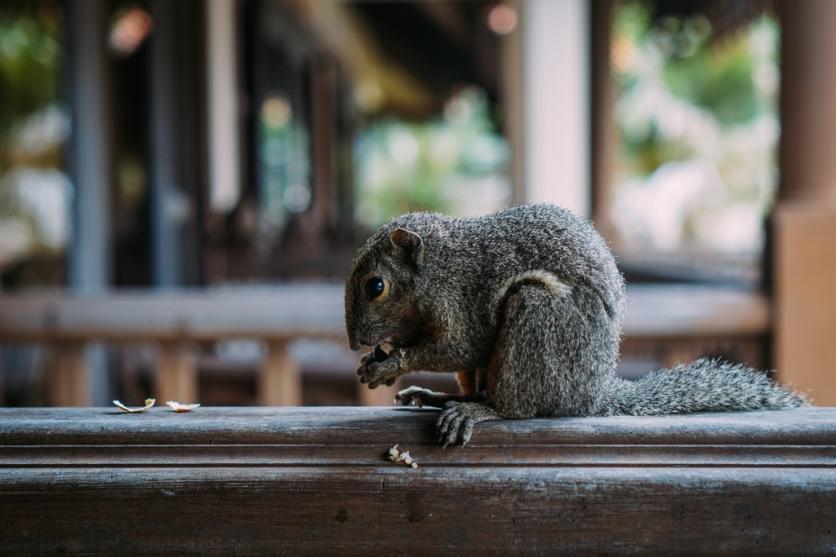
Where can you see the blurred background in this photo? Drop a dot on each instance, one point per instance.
(183, 184)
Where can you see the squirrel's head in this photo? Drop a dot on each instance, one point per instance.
(380, 300)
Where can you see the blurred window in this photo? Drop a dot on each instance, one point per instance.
(428, 94)
(284, 163)
(35, 192)
(356, 112)
(697, 123)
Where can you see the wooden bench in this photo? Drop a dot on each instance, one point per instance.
(179, 320)
(314, 481)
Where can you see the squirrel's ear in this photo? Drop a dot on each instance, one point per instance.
(409, 243)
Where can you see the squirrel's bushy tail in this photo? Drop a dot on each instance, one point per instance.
(706, 385)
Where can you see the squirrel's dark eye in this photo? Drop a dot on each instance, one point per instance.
(374, 287)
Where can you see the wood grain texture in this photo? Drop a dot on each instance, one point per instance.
(314, 481)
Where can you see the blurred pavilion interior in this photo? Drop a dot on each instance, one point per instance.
(183, 184)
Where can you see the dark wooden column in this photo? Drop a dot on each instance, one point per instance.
(808, 110)
(603, 132)
(805, 216)
(78, 375)
(90, 145)
(178, 141)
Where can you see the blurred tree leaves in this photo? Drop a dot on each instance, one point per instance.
(30, 59)
(697, 123)
(454, 164)
(717, 78)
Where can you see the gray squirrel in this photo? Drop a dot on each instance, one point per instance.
(526, 305)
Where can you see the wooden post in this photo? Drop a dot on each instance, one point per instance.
(556, 103)
(511, 60)
(604, 136)
(280, 383)
(381, 396)
(805, 275)
(177, 374)
(808, 113)
(177, 169)
(90, 158)
(68, 381)
(805, 219)
(90, 147)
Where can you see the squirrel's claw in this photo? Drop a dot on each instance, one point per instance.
(458, 419)
(449, 423)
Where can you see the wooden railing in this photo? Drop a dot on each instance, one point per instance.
(314, 481)
(178, 321)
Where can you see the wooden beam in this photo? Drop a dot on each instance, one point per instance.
(289, 312)
(315, 481)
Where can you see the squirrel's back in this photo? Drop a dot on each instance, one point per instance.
(552, 239)
(490, 250)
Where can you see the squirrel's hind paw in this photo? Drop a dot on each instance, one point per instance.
(457, 420)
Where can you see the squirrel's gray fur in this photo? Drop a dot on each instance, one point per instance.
(527, 306)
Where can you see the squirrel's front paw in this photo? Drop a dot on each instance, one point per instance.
(376, 373)
(415, 396)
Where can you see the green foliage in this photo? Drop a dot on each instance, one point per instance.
(719, 79)
(697, 122)
(30, 58)
(430, 166)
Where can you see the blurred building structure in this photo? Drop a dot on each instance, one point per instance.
(233, 143)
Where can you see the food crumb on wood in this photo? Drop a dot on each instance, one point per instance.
(396, 455)
(149, 402)
(178, 407)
